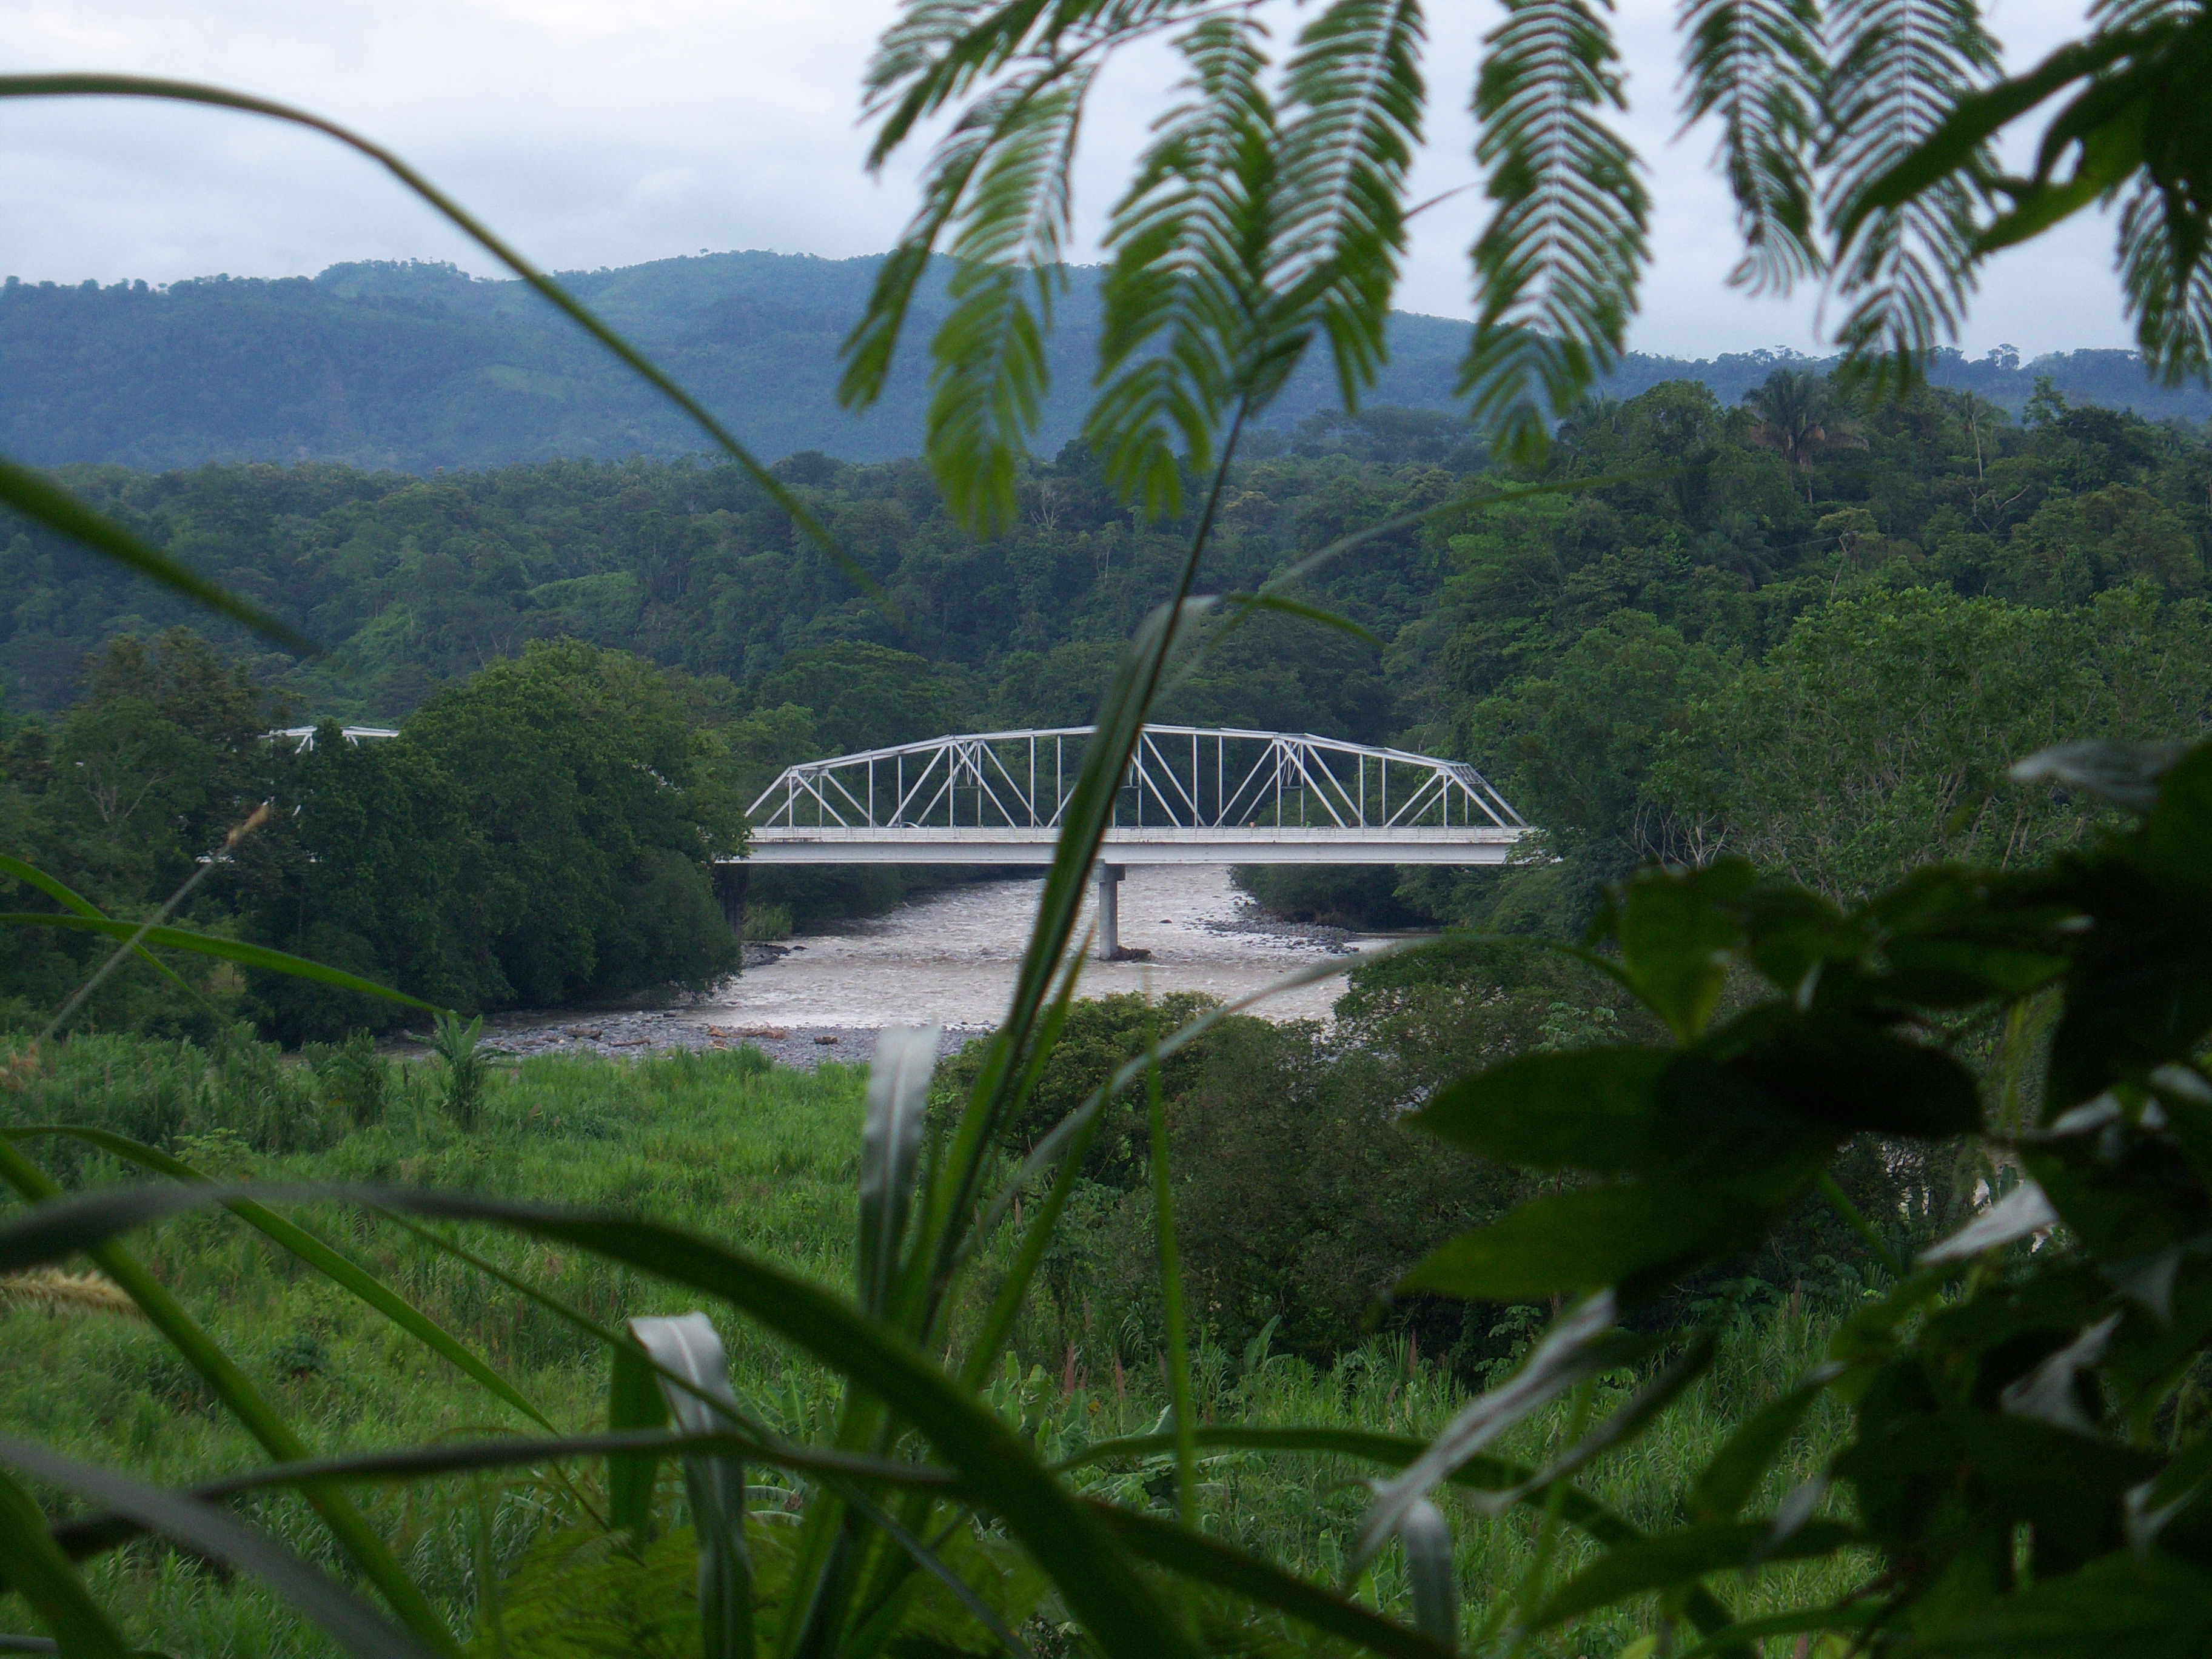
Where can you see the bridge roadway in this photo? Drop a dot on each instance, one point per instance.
(1191, 795)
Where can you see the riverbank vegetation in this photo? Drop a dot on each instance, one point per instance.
(764, 1160)
(1820, 653)
(540, 832)
(2004, 1446)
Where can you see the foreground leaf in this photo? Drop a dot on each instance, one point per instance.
(210, 1533)
(1094, 1577)
(58, 511)
(206, 945)
(1631, 1235)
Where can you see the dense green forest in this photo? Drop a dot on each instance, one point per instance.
(418, 366)
(1814, 633)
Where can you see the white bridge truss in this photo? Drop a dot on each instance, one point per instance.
(1190, 795)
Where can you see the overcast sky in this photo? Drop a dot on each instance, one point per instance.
(599, 133)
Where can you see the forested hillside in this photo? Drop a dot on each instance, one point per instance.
(417, 367)
(1814, 633)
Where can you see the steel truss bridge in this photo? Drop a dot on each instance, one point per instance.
(1189, 795)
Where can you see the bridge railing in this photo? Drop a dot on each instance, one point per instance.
(1179, 777)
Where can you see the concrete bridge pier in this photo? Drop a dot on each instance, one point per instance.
(1110, 912)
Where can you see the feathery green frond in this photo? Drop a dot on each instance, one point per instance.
(1557, 267)
(2168, 278)
(1757, 66)
(989, 379)
(1182, 336)
(1352, 121)
(1901, 66)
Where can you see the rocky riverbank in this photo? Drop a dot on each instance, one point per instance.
(636, 1034)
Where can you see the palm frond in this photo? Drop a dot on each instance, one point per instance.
(935, 51)
(1182, 336)
(1557, 267)
(1900, 67)
(1757, 66)
(989, 376)
(2167, 277)
(1352, 97)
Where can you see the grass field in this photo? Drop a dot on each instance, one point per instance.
(763, 1159)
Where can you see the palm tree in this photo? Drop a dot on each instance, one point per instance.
(1798, 415)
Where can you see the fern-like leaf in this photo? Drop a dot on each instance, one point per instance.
(2167, 277)
(1351, 120)
(989, 376)
(1184, 333)
(1900, 67)
(1758, 66)
(1557, 267)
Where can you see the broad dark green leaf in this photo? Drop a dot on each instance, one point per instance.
(1852, 1076)
(1630, 1235)
(1677, 931)
(1596, 1110)
(1679, 1559)
(1970, 121)
(2123, 1605)
(2178, 834)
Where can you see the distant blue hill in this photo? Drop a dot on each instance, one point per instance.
(417, 366)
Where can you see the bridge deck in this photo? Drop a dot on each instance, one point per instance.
(1129, 844)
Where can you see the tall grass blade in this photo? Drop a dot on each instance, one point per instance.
(1094, 1577)
(688, 1345)
(1580, 1344)
(890, 1152)
(332, 1264)
(31, 876)
(634, 1402)
(58, 510)
(882, 1623)
(230, 1385)
(1431, 1571)
(90, 1534)
(1194, 1554)
(1622, 1426)
(1478, 1473)
(32, 1565)
(206, 945)
(337, 1613)
(1163, 1245)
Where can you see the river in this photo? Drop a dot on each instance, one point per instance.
(950, 958)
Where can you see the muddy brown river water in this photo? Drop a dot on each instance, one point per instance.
(951, 959)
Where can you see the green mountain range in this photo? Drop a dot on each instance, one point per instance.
(415, 366)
